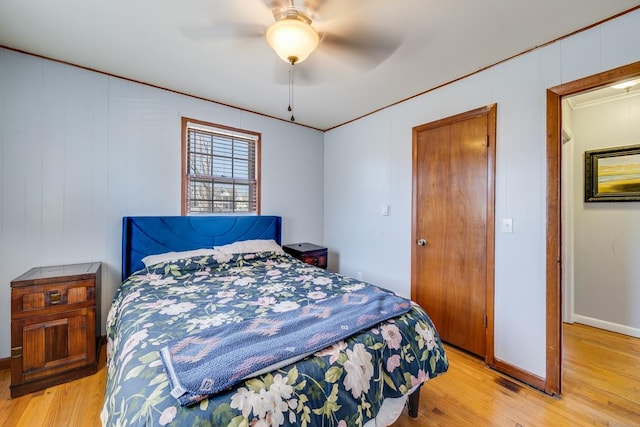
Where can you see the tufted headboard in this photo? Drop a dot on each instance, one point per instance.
(148, 235)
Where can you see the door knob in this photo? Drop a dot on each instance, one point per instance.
(421, 242)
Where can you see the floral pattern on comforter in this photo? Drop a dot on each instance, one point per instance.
(342, 385)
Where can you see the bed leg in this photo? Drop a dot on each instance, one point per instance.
(413, 402)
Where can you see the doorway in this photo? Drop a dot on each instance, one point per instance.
(453, 227)
(553, 383)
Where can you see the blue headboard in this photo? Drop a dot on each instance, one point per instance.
(148, 235)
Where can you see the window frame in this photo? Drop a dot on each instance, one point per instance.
(186, 121)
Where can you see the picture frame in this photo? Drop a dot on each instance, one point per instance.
(612, 174)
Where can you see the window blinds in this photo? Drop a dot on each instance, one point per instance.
(221, 171)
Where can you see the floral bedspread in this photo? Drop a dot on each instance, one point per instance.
(341, 385)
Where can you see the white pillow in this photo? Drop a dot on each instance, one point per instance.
(250, 246)
(174, 256)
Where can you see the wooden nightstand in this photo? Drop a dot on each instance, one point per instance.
(308, 253)
(55, 333)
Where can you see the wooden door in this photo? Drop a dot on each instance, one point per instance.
(452, 269)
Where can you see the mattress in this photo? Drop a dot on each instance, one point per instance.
(344, 384)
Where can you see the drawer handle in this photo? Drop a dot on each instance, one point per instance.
(55, 297)
(16, 352)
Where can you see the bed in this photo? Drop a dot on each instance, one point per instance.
(217, 294)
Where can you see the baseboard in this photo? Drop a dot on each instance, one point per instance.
(607, 326)
(520, 374)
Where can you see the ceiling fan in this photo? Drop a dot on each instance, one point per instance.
(337, 28)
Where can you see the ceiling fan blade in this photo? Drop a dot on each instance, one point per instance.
(335, 9)
(361, 48)
(309, 7)
(223, 30)
(313, 7)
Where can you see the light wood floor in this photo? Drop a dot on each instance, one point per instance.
(601, 386)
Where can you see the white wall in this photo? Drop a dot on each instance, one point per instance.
(79, 150)
(368, 164)
(607, 235)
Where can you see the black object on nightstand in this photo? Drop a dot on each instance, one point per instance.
(308, 253)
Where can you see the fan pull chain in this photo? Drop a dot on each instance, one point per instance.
(290, 109)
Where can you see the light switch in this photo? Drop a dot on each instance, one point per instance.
(385, 210)
(507, 225)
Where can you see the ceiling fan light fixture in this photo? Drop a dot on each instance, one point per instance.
(292, 39)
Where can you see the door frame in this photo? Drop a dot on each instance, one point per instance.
(553, 382)
(491, 112)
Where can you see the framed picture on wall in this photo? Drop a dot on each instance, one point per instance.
(612, 174)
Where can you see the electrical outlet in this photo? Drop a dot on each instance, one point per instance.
(359, 275)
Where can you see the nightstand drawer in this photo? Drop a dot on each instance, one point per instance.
(308, 253)
(51, 298)
(317, 259)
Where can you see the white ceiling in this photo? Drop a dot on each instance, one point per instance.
(189, 46)
(602, 95)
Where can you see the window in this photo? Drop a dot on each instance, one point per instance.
(220, 169)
